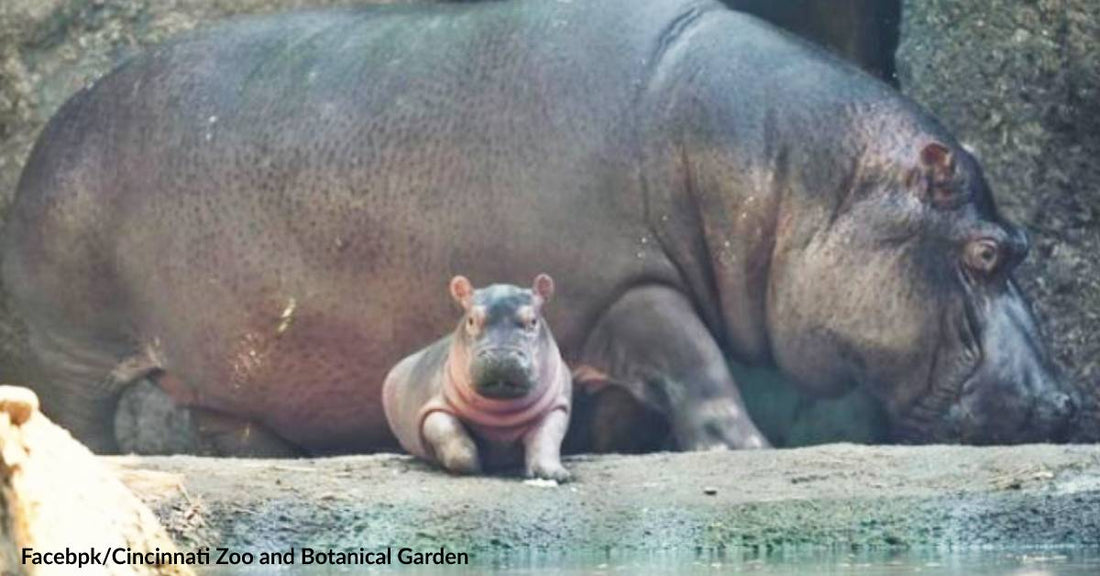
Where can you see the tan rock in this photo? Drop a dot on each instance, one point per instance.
(55, 495)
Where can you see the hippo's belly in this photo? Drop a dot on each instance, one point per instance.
(312, 378)
(298, 331)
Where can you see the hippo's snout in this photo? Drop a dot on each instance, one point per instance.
(1056, 413)
(1045, 413)
(1013, 395)
(1061, 408)
(502, 373)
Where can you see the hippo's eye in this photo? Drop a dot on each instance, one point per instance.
(983, 255)
(532, 324)
(471, 324)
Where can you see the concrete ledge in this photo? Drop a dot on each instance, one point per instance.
(833, 497)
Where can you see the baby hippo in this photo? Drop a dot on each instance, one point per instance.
(495, 385)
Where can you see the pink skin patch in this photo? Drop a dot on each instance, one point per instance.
(497, 420)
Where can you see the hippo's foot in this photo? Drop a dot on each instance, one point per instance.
(542, 448)
(148, 421)
(451, 445)
(652, 342)
(548, 471)
(225, 435)
(717, 424)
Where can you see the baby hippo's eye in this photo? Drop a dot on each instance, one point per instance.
(471, 324)
(532, 324)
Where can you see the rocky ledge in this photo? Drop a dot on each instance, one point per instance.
(837, 497)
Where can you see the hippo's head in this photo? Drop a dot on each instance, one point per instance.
(500, 330)
(901, 281)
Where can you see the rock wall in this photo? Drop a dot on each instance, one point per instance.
(1019, 82)
(863, 31)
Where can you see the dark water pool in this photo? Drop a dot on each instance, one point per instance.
(983, 563)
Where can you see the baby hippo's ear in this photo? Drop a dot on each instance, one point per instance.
(462, 291)
(544, 287)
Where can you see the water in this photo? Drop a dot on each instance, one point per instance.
(980, 563)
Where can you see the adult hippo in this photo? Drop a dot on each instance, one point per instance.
(265, 214)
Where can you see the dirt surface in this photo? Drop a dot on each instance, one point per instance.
(837, 497)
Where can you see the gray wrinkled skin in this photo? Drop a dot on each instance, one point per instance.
(266, 212)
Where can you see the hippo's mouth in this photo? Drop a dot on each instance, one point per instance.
(936, 416)
(977, 392)
(991, 427)
(502, 376)
(503, 388)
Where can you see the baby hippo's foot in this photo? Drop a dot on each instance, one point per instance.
(548, 469)
(543, 447)
(453, 447)
(459, 456)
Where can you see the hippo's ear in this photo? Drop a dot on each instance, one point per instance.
(935, 177)
(938, 162)
(462, 291)
(544, 287)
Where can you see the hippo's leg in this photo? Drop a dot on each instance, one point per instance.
(652, 342)
(149, 421)
(542, 448)
(451, 445)
(610, 419)
(79, 380)
(226, 435)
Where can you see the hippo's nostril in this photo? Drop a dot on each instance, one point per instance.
(1016, 245)
(1021, 243)
(1068, 406)
(1061, 408)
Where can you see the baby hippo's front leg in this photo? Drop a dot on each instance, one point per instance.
(542, 446)
(452, 446)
